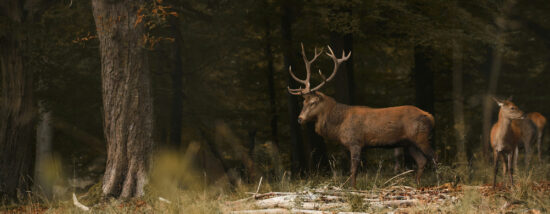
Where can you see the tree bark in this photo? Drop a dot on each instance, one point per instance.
(17, 111)
(297, 159)
(127, 102)
(458, 103)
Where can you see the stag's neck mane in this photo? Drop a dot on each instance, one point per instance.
(331, 117)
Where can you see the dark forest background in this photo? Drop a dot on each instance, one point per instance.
(219, 73)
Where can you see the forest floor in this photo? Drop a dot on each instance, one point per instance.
(446, 198)
(378, 192)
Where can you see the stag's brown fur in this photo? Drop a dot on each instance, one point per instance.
(359, 126)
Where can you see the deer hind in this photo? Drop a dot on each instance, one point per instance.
(507, 133)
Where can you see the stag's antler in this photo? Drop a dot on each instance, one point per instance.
(337, 62)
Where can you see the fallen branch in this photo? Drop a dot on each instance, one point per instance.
(79, 205)
(265, 211)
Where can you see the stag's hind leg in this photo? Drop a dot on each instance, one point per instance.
(422, 141)
(420, 160)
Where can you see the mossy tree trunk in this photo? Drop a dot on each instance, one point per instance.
(127, 102)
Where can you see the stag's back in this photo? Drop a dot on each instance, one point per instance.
(384, 126)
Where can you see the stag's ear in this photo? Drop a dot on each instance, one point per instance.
(499, 102)
(319, 94)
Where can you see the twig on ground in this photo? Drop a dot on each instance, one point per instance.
(345, 182)
(164, 200)
(401, 174)
(259, 184)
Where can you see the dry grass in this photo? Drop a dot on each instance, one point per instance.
(189, 191)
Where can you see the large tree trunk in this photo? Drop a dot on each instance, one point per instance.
(17, 111)
(297, 159)
(177, 87)
(458, 104)
(127, 102)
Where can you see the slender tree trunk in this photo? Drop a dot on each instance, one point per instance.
(423, 78)
(345, 86)
(17, 111)
(44, 136)
(496, 64)
(127, 102)
(177, 86)
(297, 159)
(270, 75)
(458, 103)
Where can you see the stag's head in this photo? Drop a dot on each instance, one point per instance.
(313, 100)
(313, 106)
(509, 109)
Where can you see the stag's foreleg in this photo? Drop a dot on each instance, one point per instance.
(397, 155)
(355, 154)
(420, 160)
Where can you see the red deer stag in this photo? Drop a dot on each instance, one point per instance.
(507, 133)
(359, 126)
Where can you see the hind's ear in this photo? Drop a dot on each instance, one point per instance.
(499, 102)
